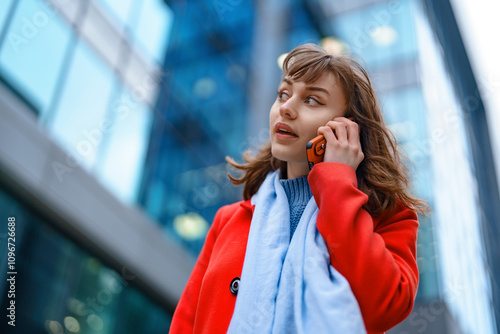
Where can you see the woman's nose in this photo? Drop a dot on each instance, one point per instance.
(287, 109)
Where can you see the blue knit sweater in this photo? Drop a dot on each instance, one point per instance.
(298, 193)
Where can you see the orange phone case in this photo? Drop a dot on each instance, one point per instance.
(316, 149)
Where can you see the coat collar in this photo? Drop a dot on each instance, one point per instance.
(248, 205)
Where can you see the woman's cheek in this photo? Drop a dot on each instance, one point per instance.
(311, 133)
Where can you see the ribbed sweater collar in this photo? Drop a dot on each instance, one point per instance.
(297, 190)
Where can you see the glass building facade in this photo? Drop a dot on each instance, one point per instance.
(79, 83)
(202, 110)
(62, 288)
(116, 118)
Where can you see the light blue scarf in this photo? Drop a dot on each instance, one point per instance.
(289, 286)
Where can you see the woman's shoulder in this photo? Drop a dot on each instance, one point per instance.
(230, 209)
(233, 214)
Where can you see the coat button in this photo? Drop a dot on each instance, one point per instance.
(235, 284)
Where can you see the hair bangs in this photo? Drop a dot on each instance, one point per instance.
(306, 67)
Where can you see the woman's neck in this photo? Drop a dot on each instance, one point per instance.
(296, 169)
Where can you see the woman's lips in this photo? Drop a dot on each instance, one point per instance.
(285, 136)
(284, 131)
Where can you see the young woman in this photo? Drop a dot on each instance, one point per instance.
(331, 250)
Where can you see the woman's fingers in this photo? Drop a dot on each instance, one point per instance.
(328, 133)
(340, 131)
(342, 141)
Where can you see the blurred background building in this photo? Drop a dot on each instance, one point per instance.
(116, 117)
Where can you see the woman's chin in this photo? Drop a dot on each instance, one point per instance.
(279, 154)
(283, 156)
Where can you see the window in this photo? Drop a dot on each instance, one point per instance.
(404, 111)
(33, 50)
(381, 34)
(119, 8)
(61, 288)
(79, 121)
(5, 7)
(153, 28)
(121, 166)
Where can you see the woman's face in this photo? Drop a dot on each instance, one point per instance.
(299, 110)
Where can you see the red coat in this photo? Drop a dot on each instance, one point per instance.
(376, 255)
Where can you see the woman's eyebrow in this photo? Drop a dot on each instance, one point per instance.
(317, 89)
(312, 88)
(288, 81)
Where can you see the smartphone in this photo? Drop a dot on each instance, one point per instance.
(316, 149)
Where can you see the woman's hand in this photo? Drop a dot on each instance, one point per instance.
(342, 142)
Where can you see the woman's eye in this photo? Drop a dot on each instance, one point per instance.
(282, 95)
(313, 102)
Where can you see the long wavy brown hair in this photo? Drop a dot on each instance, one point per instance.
(381, 175)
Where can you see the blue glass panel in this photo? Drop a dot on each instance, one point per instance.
(4, 11)
(380, 34)
(119, 8)
(80, 121)
(153, 28)
(120, 169)
(214, 14)
(60, 285)
(406, 108)
(33, 51)
(201, 112)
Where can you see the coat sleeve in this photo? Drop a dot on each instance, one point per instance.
(377, 257)
(184, 315)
